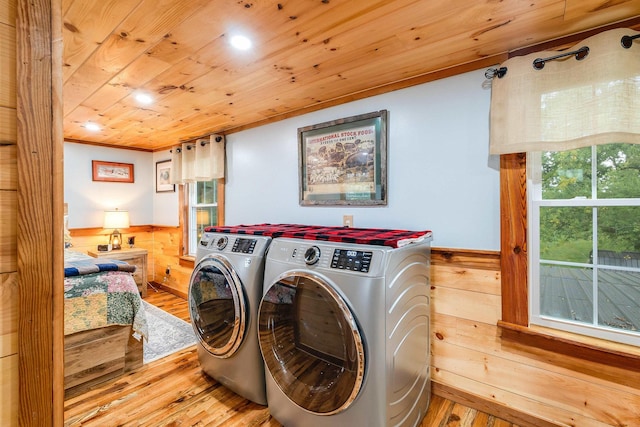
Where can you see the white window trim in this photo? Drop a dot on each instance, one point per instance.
(534, 202)
(191, 218)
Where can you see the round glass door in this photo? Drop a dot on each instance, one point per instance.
(217, 306)
(311, 343)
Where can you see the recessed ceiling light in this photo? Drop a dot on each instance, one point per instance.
(240, 42)
(144, 98)
(93, 127)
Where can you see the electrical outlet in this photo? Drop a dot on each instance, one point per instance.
(347, 220)
(168, 270)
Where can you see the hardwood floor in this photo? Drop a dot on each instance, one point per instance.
(173, 391)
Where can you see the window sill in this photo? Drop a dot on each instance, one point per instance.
(187, 261)
(585, 348)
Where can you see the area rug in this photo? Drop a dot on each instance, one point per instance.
(167, 334)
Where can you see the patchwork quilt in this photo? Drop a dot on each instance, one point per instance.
(99, 294)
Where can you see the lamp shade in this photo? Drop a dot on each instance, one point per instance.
(116, 219)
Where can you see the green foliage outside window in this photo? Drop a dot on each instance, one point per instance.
(566, 232)
(206, 192)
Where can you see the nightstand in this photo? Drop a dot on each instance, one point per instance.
(133, 256)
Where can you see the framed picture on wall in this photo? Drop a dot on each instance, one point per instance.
(112, 171)
(163, 177)
(344, 162)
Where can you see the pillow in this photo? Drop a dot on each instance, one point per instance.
(67, 233)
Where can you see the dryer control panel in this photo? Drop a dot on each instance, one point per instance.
(330, 257)
(349, 259)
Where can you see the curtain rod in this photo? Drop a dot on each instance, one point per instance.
(203, 142)
(626, 41)
(538, 63)
(580, 54)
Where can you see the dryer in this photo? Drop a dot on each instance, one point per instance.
(344, 331)
(224, 293)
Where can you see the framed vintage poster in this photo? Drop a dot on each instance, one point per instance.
(163, 177)
(112, 172)
(344, 162)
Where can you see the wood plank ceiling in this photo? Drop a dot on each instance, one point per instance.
(306, 55)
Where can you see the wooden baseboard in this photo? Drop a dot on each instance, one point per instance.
(169, 289)
(488, 406)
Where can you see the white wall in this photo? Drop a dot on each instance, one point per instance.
(88, 199)
(165, 205)
(440, 174)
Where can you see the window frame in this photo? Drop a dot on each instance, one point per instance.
(535, 203)
(514, 326)
(185, 213)
(193, 205)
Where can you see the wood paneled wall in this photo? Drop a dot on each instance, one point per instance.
(471, 363)
(167, 243)
(8, 218)
(163, 244)
(85, 239)
(531, 387)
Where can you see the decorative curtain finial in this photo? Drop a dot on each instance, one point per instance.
(495, 72)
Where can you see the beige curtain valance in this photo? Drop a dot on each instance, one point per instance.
(202, 160)
(569, 103)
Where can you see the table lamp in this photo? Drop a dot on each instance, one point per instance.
(116, 219)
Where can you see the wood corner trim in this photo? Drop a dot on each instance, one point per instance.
(513, 238)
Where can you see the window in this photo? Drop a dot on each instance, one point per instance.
(584, 234)
(202, 210)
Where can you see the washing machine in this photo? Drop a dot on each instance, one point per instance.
(344, 331)
(224, 292)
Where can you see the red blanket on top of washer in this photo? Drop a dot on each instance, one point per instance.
(361, 236)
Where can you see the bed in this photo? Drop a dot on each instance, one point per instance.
(105, 323)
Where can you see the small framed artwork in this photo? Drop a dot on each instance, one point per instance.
(112, 172)
(163, 177)
(344, 162)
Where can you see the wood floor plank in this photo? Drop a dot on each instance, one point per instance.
(439, 411)
(174, 391)
(481, 420)
(502, 423)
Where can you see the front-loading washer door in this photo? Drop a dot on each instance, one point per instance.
(311, 343)
(217, 306)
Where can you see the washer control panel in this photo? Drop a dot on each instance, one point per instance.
(349, 259)
(244, 245)
(230, 243)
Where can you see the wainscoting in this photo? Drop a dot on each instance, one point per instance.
(471, 362)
